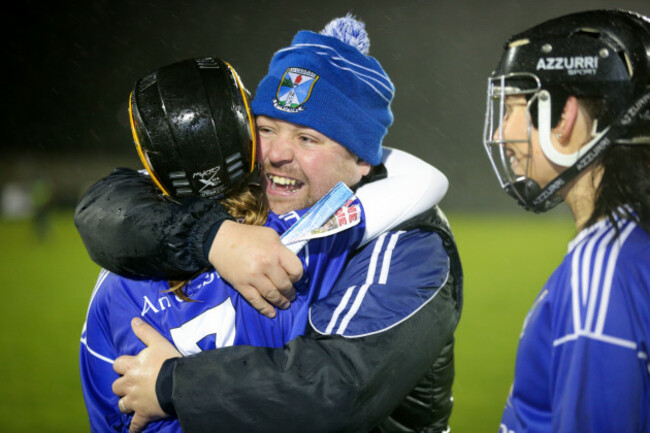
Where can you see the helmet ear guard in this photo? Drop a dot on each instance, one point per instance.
(193, 128)
(597, 55)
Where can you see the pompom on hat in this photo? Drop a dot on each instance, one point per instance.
(327, 81)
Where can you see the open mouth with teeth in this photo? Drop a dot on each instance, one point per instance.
(513, 161)
(282, 185)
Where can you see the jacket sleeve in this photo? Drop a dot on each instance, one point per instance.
(384, 333)
(124, 220)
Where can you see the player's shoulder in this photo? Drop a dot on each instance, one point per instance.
(635, 246)
(111, 287)
(107, 284)
(605, 271)
(387, 282)
(604, 246)
(416, 256)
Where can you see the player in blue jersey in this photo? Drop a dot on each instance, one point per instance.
(569, 120)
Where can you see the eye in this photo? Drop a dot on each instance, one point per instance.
(511, 106)
(306, 139)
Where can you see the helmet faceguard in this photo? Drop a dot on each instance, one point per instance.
(193, 129)
(595, 55)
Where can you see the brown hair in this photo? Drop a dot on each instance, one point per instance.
(624, 189)
(247, 206)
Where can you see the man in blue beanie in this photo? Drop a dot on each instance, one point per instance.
(378, 351)
(325, 82)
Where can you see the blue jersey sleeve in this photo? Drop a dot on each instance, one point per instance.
(385, 285)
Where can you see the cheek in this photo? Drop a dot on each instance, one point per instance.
(336, 169)
(316, 167)
(516, 127)
(535, 147)
(323, 171)
(512, 130)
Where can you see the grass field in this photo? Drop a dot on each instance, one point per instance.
(48, 284)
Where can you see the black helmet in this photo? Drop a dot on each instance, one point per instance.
(602, 55)
(193, 129)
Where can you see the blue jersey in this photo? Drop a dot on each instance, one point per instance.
(218, 317)
(582, 362)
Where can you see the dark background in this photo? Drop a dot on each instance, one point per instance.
(69, 67)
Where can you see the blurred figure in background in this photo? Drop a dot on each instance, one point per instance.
(42, 197)
(29, 199)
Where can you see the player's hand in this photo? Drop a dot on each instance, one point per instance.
(258, 266)
(137, 386)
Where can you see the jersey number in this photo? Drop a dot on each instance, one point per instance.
(218, 321)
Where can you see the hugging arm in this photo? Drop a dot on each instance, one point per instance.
(129, 228)
(410, 188)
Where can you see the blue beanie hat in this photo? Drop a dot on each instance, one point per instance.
(326, 81)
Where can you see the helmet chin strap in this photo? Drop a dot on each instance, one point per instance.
(544, 123)
(546, 198)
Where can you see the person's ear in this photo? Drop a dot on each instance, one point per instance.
(565, 125)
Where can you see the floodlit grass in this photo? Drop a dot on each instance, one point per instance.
(506, 261)
(48, 284)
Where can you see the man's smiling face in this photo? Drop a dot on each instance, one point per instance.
(301, 165)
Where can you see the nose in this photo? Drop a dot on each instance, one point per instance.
(277, 150)
(499, 132)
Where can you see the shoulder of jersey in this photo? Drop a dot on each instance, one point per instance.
(386, 283)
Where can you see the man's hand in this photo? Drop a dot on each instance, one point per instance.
(258, 266)
(137, 386)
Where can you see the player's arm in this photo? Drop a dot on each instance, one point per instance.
(130, 229)
(402, 187)
(410, 188)
(370, 343)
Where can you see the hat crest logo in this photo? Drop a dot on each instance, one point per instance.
(295, 89)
